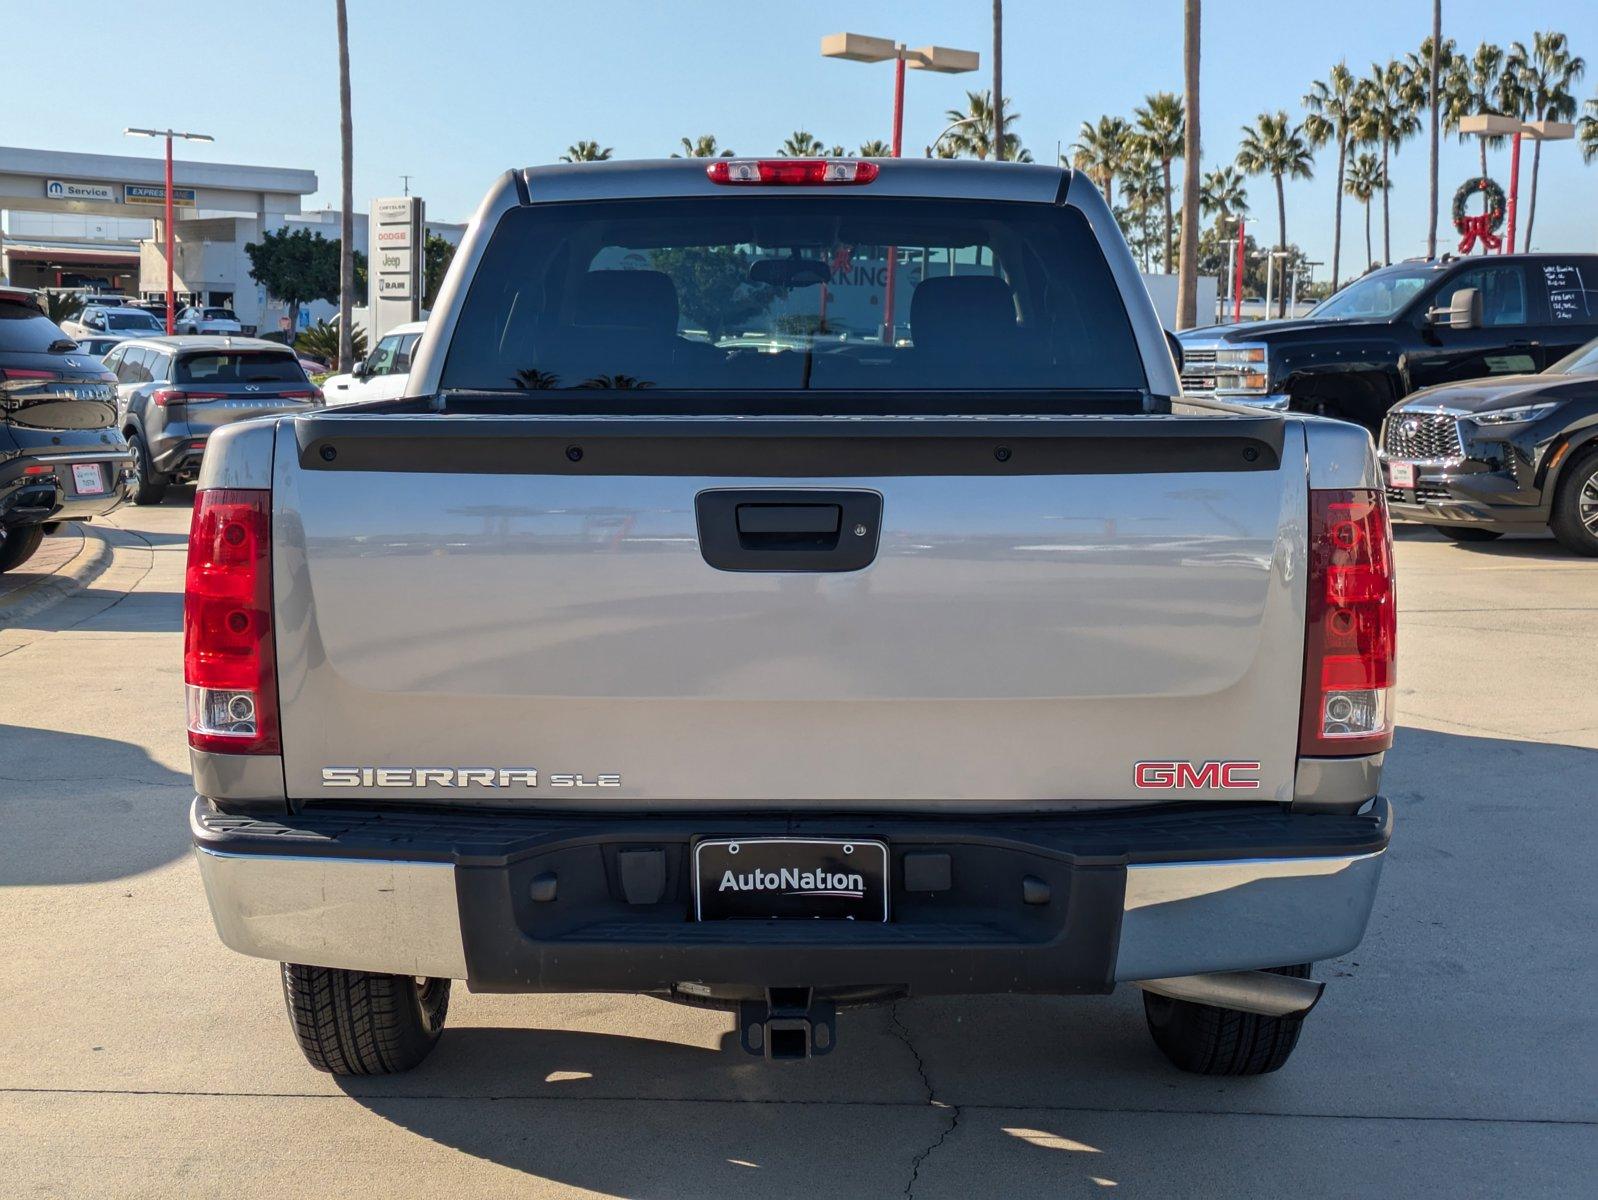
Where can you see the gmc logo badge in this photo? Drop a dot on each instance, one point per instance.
(1169, 776)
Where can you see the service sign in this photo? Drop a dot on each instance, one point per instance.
(394, 234)
(62, 189)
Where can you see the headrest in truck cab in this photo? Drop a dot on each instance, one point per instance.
(627, 299)
(954, 309)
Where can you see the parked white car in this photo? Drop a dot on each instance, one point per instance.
(383, 374)
(116, 323)
(196, 319)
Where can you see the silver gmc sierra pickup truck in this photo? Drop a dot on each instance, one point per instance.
(791, 585)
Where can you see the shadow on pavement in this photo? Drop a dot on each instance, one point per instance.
(82, 809)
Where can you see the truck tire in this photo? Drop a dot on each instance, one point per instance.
(1207, 1040)
(144, 486)
(1468, 533)
(361, 1023)
(18, 544)
(1575, 516)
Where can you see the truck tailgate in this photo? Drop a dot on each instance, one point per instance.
(1050, 602)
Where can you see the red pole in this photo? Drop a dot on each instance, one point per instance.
(1514, 188)
(1237, 277)
(898, 145)
(169, 297)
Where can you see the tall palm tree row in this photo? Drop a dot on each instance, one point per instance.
(1274, 146)
(1104, 151)
(975, 134)
(1223, 193)
(1387, 118)
(1539, 86)
(801, 144)
(703, 146)
(1334, 113)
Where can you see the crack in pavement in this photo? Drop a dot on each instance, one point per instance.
(903, 1034)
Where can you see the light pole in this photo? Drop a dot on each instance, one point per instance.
(1270, 269)
(856, 47)
(1493, 125)
(1237, 267)
(166, 222)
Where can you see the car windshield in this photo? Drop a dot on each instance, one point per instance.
(131, 319)
(24, 328)
(239, 367)
(1583, 361)
(1379, 295)
(761, 294)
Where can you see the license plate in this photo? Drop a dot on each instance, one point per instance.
(757, 879)
(1401, 474)
(87, 479)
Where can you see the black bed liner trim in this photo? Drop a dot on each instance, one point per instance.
(758, 447)
(1186, 833)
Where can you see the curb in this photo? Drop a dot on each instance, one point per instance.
(77, 573)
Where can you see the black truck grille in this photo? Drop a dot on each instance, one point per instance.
(1422, 436)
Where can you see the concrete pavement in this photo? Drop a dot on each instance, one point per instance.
(1454, 1053)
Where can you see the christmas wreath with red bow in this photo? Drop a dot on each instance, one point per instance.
(1482, 226)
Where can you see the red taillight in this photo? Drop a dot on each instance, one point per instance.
(166, 396)
(38, 469)
(311, 393)
(229, 671)
(1350, 626)
(20, 373)
(791, 171)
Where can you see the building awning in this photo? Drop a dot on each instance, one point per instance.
(73, 252)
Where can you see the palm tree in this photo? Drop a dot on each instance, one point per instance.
(1143, 190)
(976, 136)
(1437, 100)
(1223, 193)
(62, 306)
(801, 144)
(1544, 80)
(586, 152)
(1364, 179)
(346, 221)
(1187, 265)
(875, 148)
(1103, 151)
(1475, 89)
(1160, 124)
(1588, 131)
(1333, 105)
(1273, 146)
(1387, 118)
(703, 146)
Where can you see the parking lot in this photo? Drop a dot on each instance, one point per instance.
(1453, 1055)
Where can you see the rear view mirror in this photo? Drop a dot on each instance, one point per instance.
(789, 272)
(1463, 311)
(1175, 343)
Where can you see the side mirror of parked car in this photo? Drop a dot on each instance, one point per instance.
(359, 369)
(1175, 344)
(1463, 312)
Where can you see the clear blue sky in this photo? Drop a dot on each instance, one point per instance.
(452, 93)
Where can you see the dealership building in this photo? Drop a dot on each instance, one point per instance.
(95, 221)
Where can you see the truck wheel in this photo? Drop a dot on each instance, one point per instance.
(1468, 533)
(1207, 1040)
(17, 545)
(1575, 517)
(360, 1023)
(144, 487)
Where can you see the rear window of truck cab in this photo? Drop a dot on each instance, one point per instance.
(769, 294)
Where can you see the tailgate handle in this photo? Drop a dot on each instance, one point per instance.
(759, 529)
(789, 518)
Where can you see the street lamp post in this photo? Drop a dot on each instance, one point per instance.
(1270, 270)
(1236, 281)
(166, 222)
(1493, 125)
(856, 47)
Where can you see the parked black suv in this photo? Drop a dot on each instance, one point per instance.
(62, 457)
(1404, 327)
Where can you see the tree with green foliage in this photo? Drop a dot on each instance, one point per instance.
(321, 341)
(1334, 113)
(1365, 178)
(1387, 118)
(1103, 152)
(1545, 78)
(437, 254)
(296, 267)
(713, 287)
(586, 152)
(875, 148)
(1588, 131)
(800, 144)
(1276, 147)
(62, 306)
(975, 136)
(703, 146)
(1160, 124)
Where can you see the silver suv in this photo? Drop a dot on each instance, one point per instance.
(173, 392)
